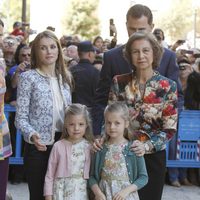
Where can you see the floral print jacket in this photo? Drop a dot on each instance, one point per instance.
(5, 143)
(153, 116)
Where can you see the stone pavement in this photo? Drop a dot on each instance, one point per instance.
(20, 192)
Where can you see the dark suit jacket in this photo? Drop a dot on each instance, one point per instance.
(86, 78)
(114, 63)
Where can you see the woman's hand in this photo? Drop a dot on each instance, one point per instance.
(22, 67)
(138, 148)
(120, 195)
(36, 140)
(97, 144)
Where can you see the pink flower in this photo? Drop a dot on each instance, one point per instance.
(169, 110)
(164, 84)
(116, 156)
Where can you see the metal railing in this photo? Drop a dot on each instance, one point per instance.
(188, 137)
(17, 157)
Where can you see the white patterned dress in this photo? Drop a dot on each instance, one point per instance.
(73, 188)
(114, 175)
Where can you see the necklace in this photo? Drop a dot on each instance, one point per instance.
(45, 74)
(142, 88)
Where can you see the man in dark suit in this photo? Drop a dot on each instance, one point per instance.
(85, 75)
(138, 18)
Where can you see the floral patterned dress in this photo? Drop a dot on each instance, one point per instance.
(114, 175)
(5, 143)
(73, 188)
(157, 104)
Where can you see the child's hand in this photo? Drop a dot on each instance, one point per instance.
(97, 145)
(121, 195)
(100, 196)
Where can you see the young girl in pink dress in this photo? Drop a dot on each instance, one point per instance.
(69, 162)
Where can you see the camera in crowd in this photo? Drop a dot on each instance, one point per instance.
(31, 31)
(194, 52)
(20, 28)
(9, 41)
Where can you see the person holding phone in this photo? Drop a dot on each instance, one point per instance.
(22, 59)
(111, 27)
(98, 44)
(113, 33)
(177, 44)
(178, 176)
(159, 34)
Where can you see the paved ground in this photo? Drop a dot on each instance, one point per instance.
(20, 192)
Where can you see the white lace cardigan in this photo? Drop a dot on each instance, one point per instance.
(35, 105)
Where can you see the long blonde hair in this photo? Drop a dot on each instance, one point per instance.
(78, 109)
(60, 68)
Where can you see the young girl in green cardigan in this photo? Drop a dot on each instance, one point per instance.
(116, 172)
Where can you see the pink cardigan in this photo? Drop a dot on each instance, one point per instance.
(59, 164)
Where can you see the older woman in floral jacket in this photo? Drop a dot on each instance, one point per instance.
(152, 101)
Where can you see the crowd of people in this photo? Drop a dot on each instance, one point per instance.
(95, 116)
